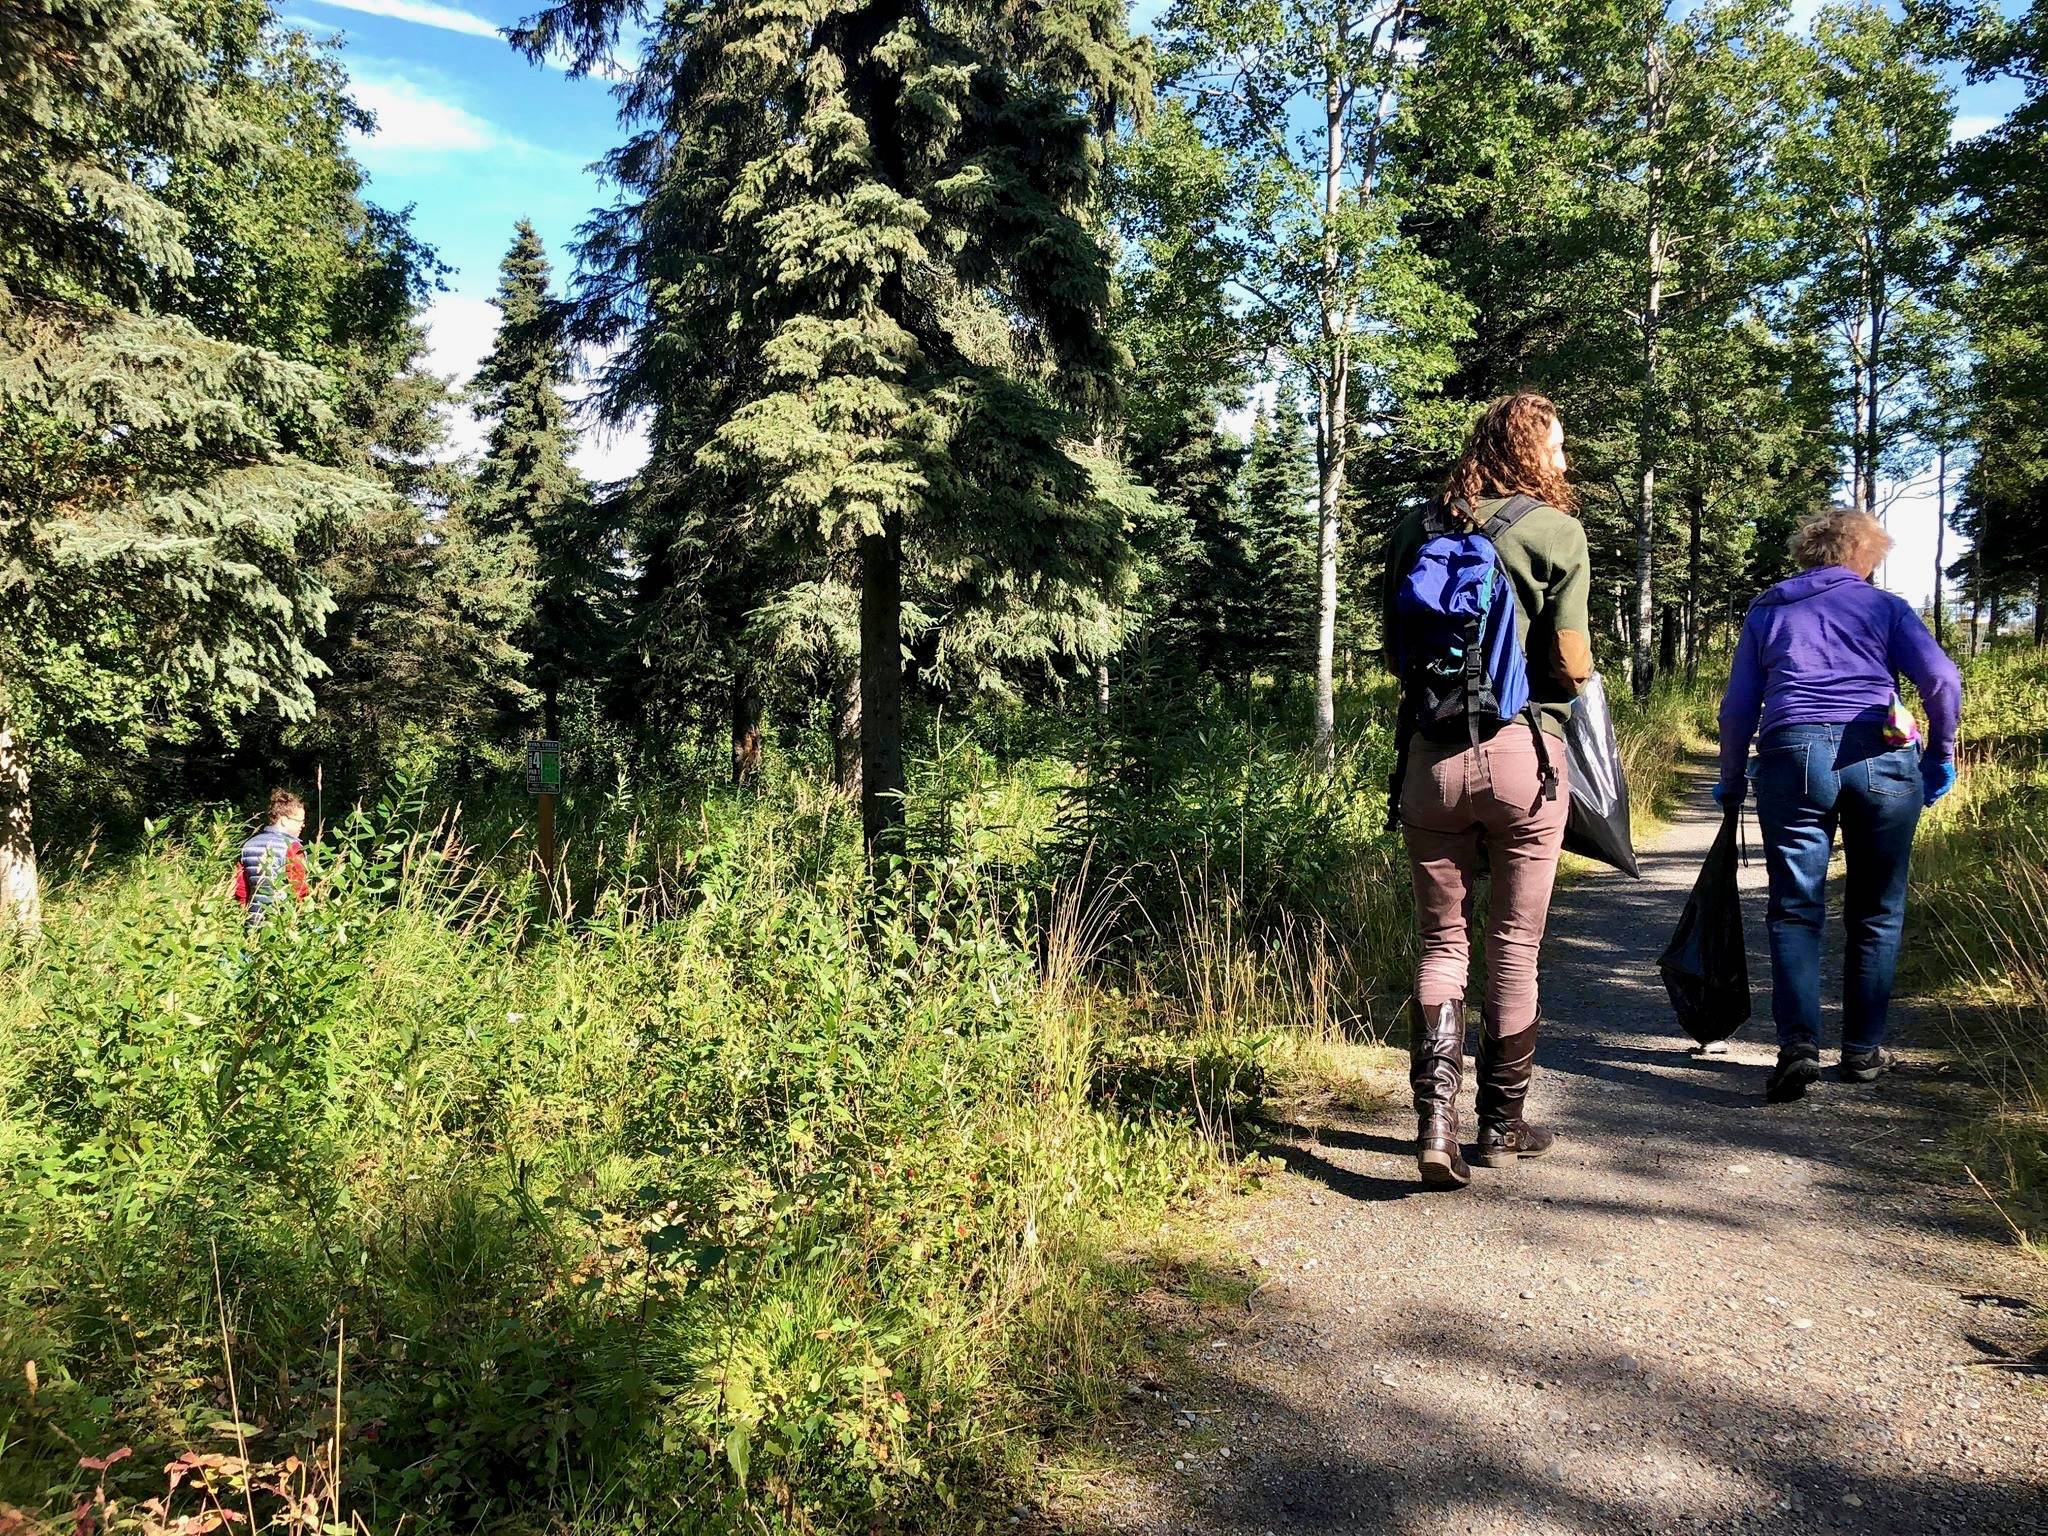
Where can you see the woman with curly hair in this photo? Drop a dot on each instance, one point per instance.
(1817, 669)
(1491, 799)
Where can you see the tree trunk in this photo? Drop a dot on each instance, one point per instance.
(846, 729)
(1856, 446)
(1642, 664)
(1992, 620)
(1870, 406)
(1669, 639)
(1102, 689)
(746, 727)
(1331, 399)
(1696, 516)
(21, 893)
(881, 690)
(1940, 537)
(1976, 609)
(1331, 495)
(2040, 611)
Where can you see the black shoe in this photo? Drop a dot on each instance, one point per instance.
(1796, 1072)
(1502, 1146)
(1867, 1066)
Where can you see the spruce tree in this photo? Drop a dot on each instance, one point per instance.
(162, 500)
(857, 236)
(528, 494)
(1276, 496)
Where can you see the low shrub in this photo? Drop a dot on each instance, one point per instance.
(763, 1205)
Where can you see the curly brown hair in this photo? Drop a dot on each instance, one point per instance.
(1841, 536)
(1508, 451)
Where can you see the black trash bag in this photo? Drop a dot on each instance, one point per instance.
(1597, 825)
(1706, 966)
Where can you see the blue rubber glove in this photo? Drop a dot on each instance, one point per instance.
(1936, 780)
(1726, 795)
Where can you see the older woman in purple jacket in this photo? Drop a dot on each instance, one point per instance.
(1817, 667)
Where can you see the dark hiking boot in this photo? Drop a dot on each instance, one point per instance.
(1506, 1065)
(1436, 1067)
(1502, 1146)
(1867, 1066)
(1797, 1071)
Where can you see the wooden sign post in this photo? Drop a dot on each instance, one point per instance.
(544, 782)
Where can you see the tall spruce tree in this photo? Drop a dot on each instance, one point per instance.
(162, 504)
(2004, 303)
(859, 234)
(1277, 512)
(528, 494)
(287, 252)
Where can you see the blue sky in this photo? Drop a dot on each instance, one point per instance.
(474, 138)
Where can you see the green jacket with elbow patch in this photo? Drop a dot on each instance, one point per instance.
(1545, 557)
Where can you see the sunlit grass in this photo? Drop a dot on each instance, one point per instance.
(1981, 889)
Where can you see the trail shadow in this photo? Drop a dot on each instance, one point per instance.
(1340, 1180)
(1459, 1429)
(1348, 1137)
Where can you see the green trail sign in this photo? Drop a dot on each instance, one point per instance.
(543, 767)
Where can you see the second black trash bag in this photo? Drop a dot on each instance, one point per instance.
(1596, 827)
(1706, 966)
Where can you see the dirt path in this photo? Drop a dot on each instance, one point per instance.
(1701, 1313)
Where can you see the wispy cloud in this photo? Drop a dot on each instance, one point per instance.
(411, 117)
(1969, 124)
(425, 13)
(452, 18)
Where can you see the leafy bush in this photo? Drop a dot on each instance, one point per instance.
(749, 1198)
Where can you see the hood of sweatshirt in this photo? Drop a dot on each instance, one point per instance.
(1797, 589)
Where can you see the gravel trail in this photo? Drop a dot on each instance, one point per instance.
(1700, 1313)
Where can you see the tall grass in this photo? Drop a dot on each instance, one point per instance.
(1981, 877)
(747, 1202)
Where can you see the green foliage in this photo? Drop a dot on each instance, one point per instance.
(856, 281)
(529, 498)
(1981, 879)
(1873, 211)
(768, 1210)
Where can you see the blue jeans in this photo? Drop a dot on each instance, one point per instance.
(1810, 781)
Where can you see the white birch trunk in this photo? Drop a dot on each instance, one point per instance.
(21, 894)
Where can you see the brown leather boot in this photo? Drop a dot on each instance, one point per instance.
(1505, 1066)
(1436, 1066)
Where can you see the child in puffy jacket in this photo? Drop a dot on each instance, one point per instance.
(274, 859)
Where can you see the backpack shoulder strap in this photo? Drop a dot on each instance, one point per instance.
(1512, 512)
(1434, 523)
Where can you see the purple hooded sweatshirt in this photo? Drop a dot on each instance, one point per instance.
(1825, 647)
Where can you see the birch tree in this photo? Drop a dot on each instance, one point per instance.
(1874, 225)
(1301, 94)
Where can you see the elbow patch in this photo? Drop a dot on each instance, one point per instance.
(1573, 658)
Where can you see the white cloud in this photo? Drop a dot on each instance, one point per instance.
(425, 13)
(1969, 124)
(1910, 517)
(450, 18)
(459, 332)
(411, 117)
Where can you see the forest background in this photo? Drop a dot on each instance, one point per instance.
(971, 709)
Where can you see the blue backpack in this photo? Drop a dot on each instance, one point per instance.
(1456, 647)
